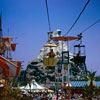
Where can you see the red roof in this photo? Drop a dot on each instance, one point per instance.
(62, 38)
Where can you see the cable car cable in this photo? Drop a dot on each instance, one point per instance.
(90, 26)
(48, 15)
(86, 30)
(77, 18)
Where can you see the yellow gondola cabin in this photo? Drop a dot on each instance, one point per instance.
(51, 60)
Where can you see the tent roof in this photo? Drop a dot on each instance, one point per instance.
(34, 85)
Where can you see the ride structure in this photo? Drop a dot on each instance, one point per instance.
(9, 68)
(79, 60)
(65, 61)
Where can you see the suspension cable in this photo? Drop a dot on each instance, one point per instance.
(90, 26)
(86, 30)
(73, 44)
(77, 18)
(48, 15)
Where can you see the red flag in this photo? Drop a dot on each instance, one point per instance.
(13, 46)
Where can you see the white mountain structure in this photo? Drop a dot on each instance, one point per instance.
(57, 50)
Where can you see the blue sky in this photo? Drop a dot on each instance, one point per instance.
(27, 20)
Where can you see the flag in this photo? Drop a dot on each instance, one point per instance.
(13, 46)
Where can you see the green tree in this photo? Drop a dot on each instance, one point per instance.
(91, 90)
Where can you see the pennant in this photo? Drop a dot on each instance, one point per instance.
(13, 46)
